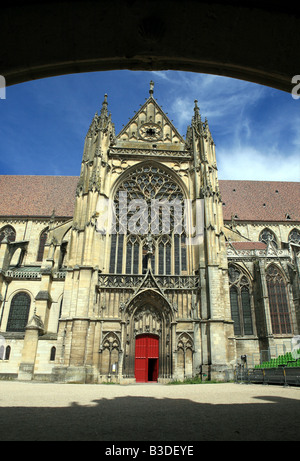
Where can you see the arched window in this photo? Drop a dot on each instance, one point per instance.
(149, 218)
(7, 353)
(19, 311)
(240, 301)
(52, 354)
(164, 256)
(42, 243)
(109, 349)
(8, 232)
(267, 236)
(294, 236)
(278, 301)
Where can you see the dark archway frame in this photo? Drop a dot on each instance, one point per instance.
(257, 40)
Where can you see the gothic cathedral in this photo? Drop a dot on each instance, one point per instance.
(150, 269)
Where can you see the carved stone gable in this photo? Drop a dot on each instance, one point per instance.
(150, 125)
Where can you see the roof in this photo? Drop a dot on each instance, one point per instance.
(263, 201)
(37, 195)
(260, 200)
(248, 245)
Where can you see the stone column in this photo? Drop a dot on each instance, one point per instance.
(122, 350)
(266, 305)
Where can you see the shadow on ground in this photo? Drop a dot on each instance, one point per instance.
(151, 419)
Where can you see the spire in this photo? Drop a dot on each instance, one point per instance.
(151, 89)
(103, 118)
(197, 116)
(104, 106)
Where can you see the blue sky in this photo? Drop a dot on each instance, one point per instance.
(256, 129)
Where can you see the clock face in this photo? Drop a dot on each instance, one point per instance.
(150, 132)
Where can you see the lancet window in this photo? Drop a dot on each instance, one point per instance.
(240, 301)
(42, 243)
(278, 301)
(19, 311)
(148, 224)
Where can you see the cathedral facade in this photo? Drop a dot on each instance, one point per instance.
(145, 268)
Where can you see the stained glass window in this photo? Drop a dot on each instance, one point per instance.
(120, 253)
(148, 203)
(240, 301)
(246, 308)
(42, 243)
(234, 302)
(177, 254)
(19, 311)
(279, 308)
(129, 257)
(113, 247)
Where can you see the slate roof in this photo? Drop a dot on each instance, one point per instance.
(263, 201)
(248, 245)
(37, 195)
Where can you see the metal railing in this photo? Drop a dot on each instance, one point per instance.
(285, 376)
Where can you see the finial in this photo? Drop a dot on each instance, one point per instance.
(104, 107)
(52, 217)
(105, 101)
(151, 88)
(197, 116)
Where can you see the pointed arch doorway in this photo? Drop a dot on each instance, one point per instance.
(148, 336)
(146, 358)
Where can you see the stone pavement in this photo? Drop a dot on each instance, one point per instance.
(148, 412)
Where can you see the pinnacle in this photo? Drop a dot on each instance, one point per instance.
(151, 88)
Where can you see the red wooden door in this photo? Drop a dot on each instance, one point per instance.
(146, 358)
(141, 359)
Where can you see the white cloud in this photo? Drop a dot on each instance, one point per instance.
(161, 74)
(223, 101)
(247, 163)
(255, 128)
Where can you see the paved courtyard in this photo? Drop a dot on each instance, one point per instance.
(148, 412)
